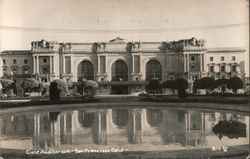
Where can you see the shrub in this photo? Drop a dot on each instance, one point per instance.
(89, 87)
(44, 88)
(8, 86)
(207, 83)
(61, 85)
(54, 92)
(154, 86)
(181, 84)
(170, 84)
(222, 83)
(235, 83)
(196, 85)
(30, 84)
(6, 83)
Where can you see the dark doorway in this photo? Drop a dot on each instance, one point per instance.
(119, 89)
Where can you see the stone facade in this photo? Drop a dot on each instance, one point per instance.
(128, 65)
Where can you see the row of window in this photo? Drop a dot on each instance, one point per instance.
(223, 68)
(222, 58)
(45, 70)
(25, 61)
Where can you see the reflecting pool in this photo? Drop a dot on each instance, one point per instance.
(134, 129)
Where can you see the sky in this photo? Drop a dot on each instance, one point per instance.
(222, 23)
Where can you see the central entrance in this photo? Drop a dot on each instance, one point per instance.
(119, 76)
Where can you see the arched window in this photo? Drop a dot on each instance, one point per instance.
(153, 70)
(85, 70)
(119, 71)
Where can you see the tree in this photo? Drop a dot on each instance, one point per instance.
(89, 87)
(196, 85)
(54, 92)
(6, 83)
(30, 84)
(43, 87)
(61, 85)
(235, 83)
(207, 83)
(170, 84)
(181, 85)
(154, 86)
(8, 86)
(36, 76)
(222, 83)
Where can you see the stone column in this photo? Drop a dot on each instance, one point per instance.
(50, 64)
(71, 63)
(34, 64)
(105, 66)
(37, 65)
(53, 62)
(201, 64)
(188, 73)
(185, 63)
(63, 64)
(133, 69)
(98, 64)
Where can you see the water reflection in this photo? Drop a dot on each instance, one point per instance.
(123, 126)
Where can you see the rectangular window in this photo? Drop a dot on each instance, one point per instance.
(14, 61)
(222, 68)
(137, 63)
(211, 58)
(25, 61)
(26, 71)
(102, 64)
(45, 70)
(233, 68)
(4, 62)
(211, 68)
(222, 58)
(192, 58)
(192, 68)
(233, 58)
(44, 60)
(67, 64)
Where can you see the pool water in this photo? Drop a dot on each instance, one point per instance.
(132, 129)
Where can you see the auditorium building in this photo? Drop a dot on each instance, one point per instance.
(122, 67)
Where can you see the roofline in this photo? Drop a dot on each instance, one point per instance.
(226, 49)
